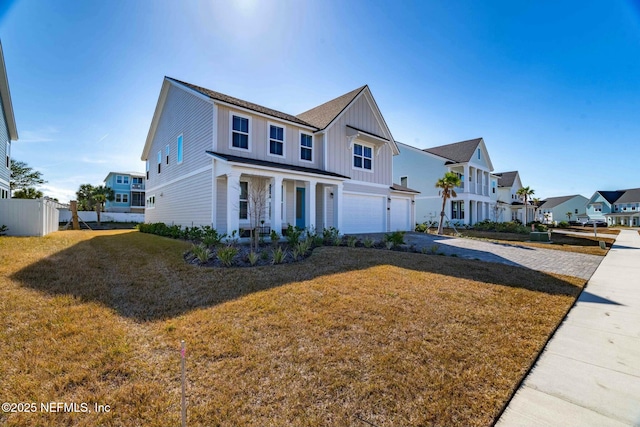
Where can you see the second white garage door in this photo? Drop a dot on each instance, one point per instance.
(400, 214)
(363, 214)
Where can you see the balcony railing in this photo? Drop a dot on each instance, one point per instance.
(137, 186)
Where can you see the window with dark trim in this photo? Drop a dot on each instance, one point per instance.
(159, 160)
(362, 156)
(276, 140)
(240, 132)
(244, 200)
(306, 147)
(179, 150)
(167, 153)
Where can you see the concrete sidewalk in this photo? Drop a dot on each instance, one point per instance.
(589, 373)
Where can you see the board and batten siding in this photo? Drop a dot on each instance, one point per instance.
(340, 157)
(187, 187)
(5, 172)
(259, 139)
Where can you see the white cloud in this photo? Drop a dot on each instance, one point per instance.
(48, 134)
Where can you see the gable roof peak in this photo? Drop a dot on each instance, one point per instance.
(459, 152)
(324, 114)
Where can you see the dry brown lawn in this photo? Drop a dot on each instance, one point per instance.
(347, 335)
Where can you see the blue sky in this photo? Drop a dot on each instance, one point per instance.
(552, 87)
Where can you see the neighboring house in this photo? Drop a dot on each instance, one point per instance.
(128, 188)
(621, 207)
(207, 153)
(555, 209)
(510, 204)
(8, 131)
(420, 169)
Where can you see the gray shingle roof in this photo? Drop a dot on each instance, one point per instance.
(506, 179)
(322, 115)
(398, 187)
(244, 160)
(552, 202)
(630, 196)
(459, 152)
(244, 104)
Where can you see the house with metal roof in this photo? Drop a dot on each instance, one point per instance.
(8, 130)
(562, 208)
(620, 207)
(209, 155)
(476, 197)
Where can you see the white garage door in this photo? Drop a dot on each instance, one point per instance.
(363, 214)
(400, 214)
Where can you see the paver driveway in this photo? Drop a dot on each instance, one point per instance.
(548, 260)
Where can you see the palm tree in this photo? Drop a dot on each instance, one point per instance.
(568, 214)
(100, 195)
(525, 192)
(447, 184)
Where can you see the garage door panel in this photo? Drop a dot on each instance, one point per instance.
(363, 214)
(400, 214)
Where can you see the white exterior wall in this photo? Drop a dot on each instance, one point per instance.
(183, 192)
(340, 158)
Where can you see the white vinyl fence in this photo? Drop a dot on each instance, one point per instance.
(29, 217)
(90, 216)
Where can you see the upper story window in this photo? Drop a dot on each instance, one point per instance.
(125, 180)
(118, 179)
(478, 154)
(159, 160)
(306, 147)
(362, 157)
(8, 153)
(179, 150)
(403, 181)
(147, 166)
(239, 132)
(166, 153)
(276, 140)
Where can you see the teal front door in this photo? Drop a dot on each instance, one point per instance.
(300, 213)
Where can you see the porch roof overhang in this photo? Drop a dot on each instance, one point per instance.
(377, 141)
(636, 213)
(281, 167)
(403, 189)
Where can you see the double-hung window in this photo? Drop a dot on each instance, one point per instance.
(362, 156)
(244, 200)
(276, 140)
(147, 166)
(159, 160)
(118, 179)
(167, 153)
(8, 153)
(306, 147)
(240, 132)
(125, 180)
(179, 150)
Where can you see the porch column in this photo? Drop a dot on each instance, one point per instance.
(276, 204)
(467, 178)
(337, 206)
(214, 196)
(233, 202)
(311, 197)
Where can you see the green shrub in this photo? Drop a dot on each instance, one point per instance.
(396, 238)
(563, 224)
(293, 235)
(351, 241)
(252, 257)
(279, 255)
(3, 230)
(226, 255)
(274, 236)
(329, 235)
(211, 237)
(368, 242)
(201, 252)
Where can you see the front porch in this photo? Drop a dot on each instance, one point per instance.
(628, 219)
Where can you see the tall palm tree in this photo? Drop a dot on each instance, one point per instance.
(100, 195)
(569, 214)
(447, 184)
(525, 192)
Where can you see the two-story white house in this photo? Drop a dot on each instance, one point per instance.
(510, 205)
(420, 169)
(329, 166)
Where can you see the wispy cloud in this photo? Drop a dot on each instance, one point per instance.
(101, 139)
(48, 134)
(96, 161)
